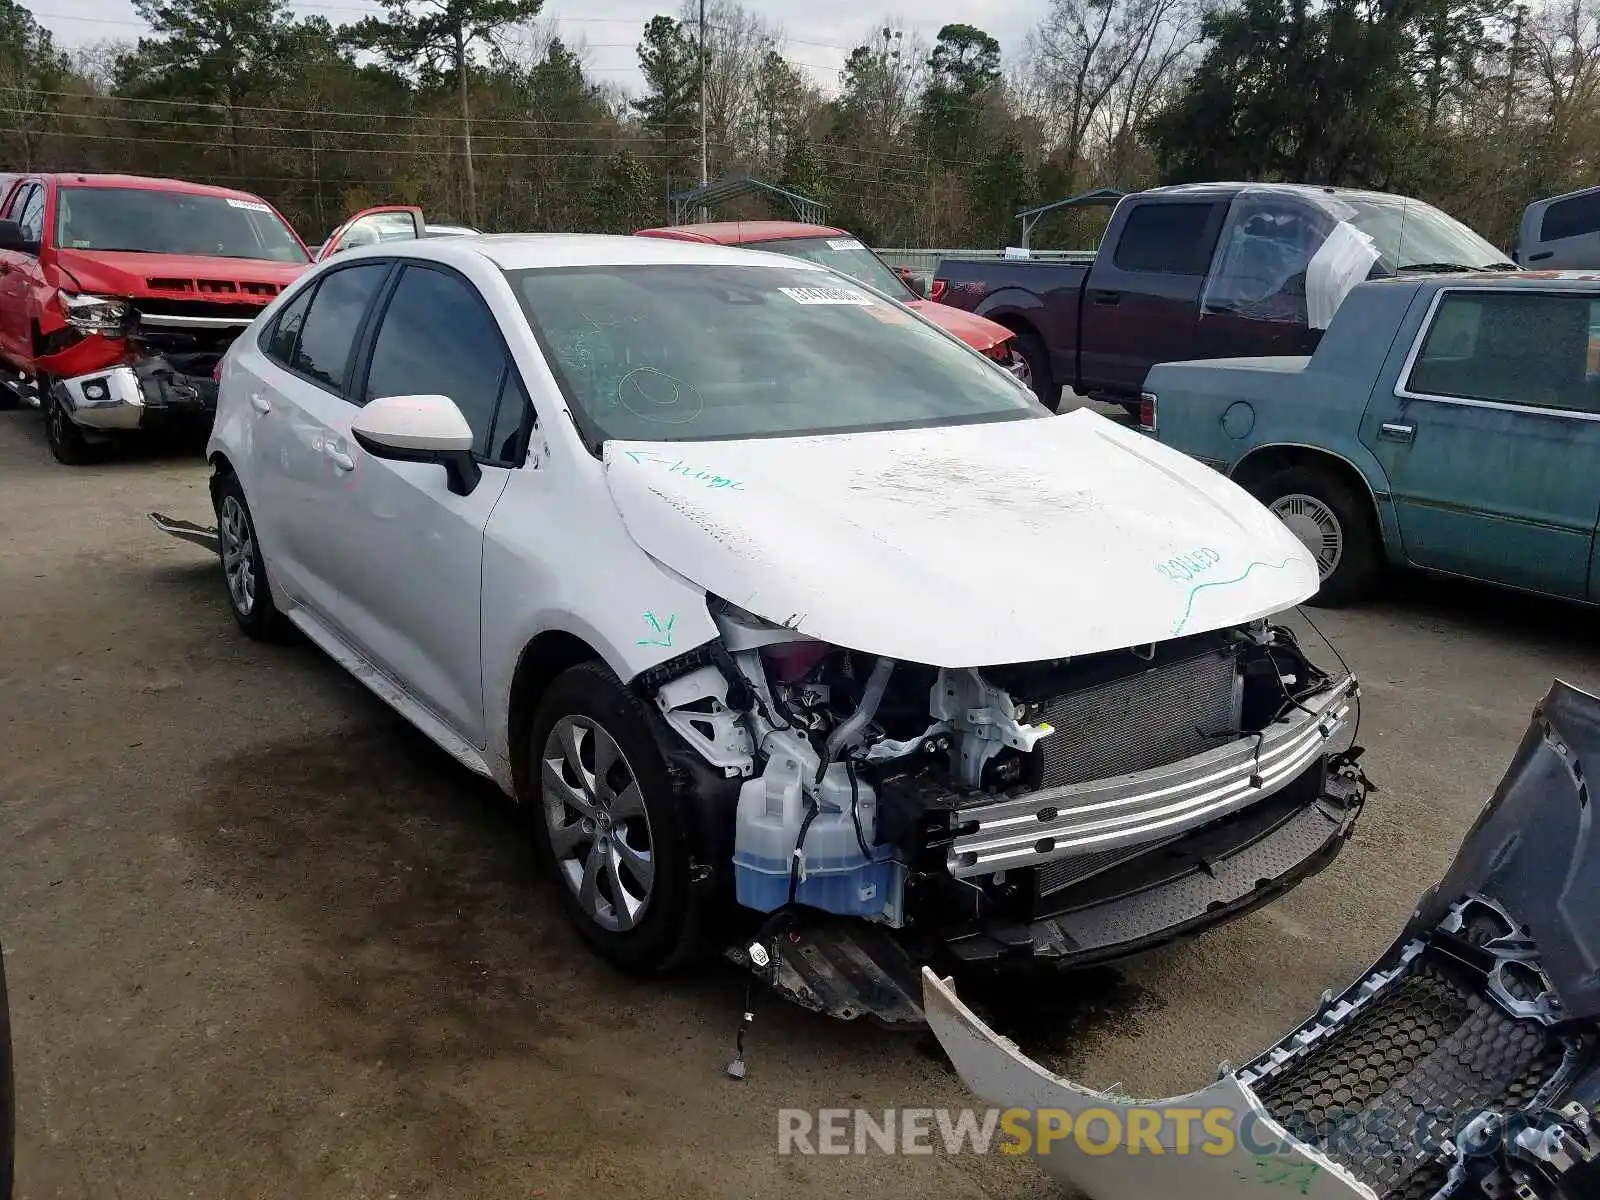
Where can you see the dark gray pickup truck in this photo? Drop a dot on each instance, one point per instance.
(1213, 270)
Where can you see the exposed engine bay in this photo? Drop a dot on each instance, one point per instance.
(1465, 1063)
(1062, 811)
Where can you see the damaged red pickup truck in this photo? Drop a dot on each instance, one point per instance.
(119, 295)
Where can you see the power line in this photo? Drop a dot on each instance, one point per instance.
(612, 132)
(443, 120)
(261, 146)
(320, 112)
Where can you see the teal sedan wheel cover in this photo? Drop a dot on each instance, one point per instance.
(1317, 527)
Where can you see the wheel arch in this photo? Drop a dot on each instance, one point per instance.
(221, 468)
(1014, 319)
(1263, 461)
(706, 798)
(550, 652)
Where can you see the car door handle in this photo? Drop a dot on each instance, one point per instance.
(1541, 256)
(339, 458)
(1108, 299)
(1397, 431)
(260, 403)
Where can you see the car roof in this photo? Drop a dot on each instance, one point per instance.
(149, 183)
(738, 233)
(1576, 280)
(519, 251)
(1228, 188)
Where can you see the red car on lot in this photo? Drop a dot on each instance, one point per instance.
(836, 248)
(119, 295)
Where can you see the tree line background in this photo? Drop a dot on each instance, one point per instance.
(477, 111)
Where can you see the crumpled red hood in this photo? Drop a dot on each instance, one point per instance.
(978, 332)
(127, 275)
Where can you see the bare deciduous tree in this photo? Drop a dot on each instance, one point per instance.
(1098, 67)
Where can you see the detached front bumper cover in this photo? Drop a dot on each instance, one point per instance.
(1466, 1062)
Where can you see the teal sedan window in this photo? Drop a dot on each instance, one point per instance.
(1535, 348)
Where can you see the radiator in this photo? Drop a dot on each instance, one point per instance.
(1142, 720)
(1132, 723)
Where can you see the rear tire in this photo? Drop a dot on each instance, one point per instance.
(1041, 379)
(609, 832)
(1334, 522)
(244, 571)
(66, 440)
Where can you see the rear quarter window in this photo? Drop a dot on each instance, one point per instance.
(279, 344)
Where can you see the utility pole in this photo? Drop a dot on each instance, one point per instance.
(466, 125)
(702, 46)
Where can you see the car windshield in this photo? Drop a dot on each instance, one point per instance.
(845, 255)
(1411, 234)
(155, 222)
(688, 352)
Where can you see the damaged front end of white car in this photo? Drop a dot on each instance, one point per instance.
(1053, 813)
(971, 701)
(1465, 1063)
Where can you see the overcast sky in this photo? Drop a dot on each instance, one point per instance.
(819, 33)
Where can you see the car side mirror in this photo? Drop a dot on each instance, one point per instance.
(423, 429)
(913, 280)
(12, 238)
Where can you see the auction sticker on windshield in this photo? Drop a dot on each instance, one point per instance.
(844, 244)
(825, 295)
(252, 205)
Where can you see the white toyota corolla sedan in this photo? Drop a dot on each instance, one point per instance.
(781, 605)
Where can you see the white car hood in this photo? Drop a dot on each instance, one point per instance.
(967, 545)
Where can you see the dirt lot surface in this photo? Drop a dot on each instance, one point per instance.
(264, 940)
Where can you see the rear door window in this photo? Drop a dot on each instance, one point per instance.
(1572, 217)
(1167, 238)
(1537, 349)
(328, 333)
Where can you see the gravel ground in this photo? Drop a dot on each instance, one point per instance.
(264, 940)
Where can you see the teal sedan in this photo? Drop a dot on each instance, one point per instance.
(1449, 423)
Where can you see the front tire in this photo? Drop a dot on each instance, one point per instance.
(1335, 523)
(609, 830)
(244, 571)
(66, 440)
(1031, 350)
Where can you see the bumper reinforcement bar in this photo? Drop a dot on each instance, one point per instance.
(1083, 818)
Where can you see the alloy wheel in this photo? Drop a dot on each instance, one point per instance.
(238, 555)
(56, 415)
(1019, 367)
(597, 822)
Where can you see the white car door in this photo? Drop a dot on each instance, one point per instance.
(300, 432)
(410, 551)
